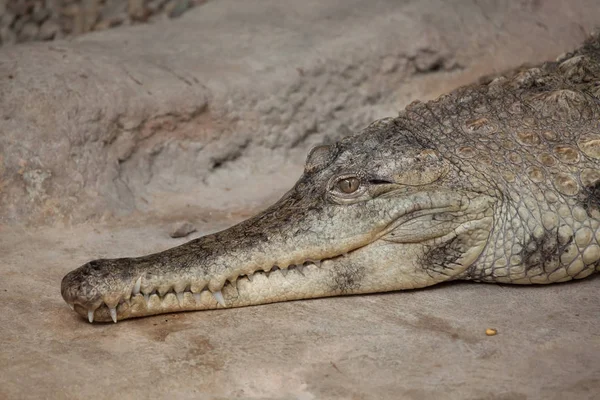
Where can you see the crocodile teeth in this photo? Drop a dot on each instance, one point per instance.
(113, 314)
(197, 297)
(91, 316)
(219, 297)
(71, 306)
(284, 272)
(146, 297)
(250, 277)
(136, 288)
(179, 298)
(300, 269)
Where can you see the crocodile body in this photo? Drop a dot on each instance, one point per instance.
(498, 181)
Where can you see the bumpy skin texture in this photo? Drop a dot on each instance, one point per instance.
(494, 182)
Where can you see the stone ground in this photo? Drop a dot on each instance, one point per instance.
(423, 344)
(120, 134)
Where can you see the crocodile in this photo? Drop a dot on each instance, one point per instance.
(497, 181)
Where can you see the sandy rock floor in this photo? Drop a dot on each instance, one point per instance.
(420, 344)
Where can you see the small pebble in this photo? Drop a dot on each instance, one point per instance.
(491, 331)
(182, 229)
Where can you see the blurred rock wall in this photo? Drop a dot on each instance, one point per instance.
(27, 20)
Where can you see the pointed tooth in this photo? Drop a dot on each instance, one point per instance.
(250, 277)
(300, 269)
(136, 287)
(233, 280)
(71, 306)
(146, 298)
(284, 272)
(317, 263)
(197, 297)
(180, 298)
(113, 314)
(219, 297)
(91, 316)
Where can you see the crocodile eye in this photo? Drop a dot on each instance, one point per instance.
(348, 185)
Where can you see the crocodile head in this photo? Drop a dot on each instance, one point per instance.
(362, 218)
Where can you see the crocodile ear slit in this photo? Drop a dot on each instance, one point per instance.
(318, 157)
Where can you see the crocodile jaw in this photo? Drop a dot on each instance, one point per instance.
(368, 269)
(346, 274)
(266, 259)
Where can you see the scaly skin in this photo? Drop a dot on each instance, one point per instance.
(494, 182)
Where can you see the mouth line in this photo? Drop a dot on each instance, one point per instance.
(156, 298)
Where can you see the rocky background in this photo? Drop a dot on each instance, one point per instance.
(218, 109)
(27, 20)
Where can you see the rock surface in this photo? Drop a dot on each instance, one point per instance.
(163, 115)
(207, 121)
(30, 20)
(425, 344)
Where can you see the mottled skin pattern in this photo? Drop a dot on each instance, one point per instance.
(495, 182)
